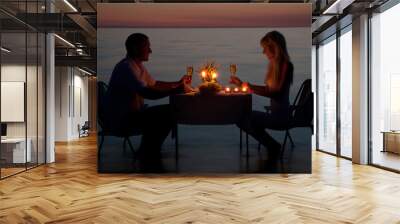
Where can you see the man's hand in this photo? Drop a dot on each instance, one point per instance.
(183, 88)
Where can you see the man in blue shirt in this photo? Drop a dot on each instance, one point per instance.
(129, 85)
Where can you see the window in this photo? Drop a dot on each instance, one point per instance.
(385, 88)
(346, 92)
(327, 95)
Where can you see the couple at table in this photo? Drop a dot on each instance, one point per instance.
(131, 83)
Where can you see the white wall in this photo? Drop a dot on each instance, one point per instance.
(71, 102)
(62, 81)
(12, 73)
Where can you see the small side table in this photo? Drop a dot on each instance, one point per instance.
(391, 141)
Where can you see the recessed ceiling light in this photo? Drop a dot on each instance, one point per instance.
(65, 41)
(70, 5)
(5, 49)
(337, 7)
(84, 71)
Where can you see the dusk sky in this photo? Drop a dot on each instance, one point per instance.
(192, 15)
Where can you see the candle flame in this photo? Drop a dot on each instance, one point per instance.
(203, 74)
(236, 89)
(214, 75)
(227, 89)
(244, 89)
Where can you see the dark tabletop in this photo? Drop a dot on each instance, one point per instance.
(218, 109)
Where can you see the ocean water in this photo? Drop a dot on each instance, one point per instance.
(176, 48)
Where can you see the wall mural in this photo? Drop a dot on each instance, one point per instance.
(204, 88)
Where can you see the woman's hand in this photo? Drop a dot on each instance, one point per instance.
(235, 80)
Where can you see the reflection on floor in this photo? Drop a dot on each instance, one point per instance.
(205, 151)
(8, 169)
(387, 159)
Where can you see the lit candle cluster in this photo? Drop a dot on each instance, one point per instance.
(209, 76)
(242, 89)
(208, 72)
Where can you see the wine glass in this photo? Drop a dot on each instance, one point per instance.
(233, 69)
(189, 72)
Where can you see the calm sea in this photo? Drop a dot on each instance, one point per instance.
(174, 49)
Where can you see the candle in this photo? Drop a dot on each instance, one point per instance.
(214, 75)
(244, 89)
(203, 74)
(236, 89)
(227, 90)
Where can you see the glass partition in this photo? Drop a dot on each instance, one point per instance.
(327, 95)
(22, 92)
(345, 92)
(385, 89)
(13, 103)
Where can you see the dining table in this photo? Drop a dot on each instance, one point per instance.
(210, 109)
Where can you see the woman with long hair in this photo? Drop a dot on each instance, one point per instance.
(277, 82)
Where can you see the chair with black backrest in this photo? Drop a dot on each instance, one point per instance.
(106, 130)
(301, 113)
(84, 129)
